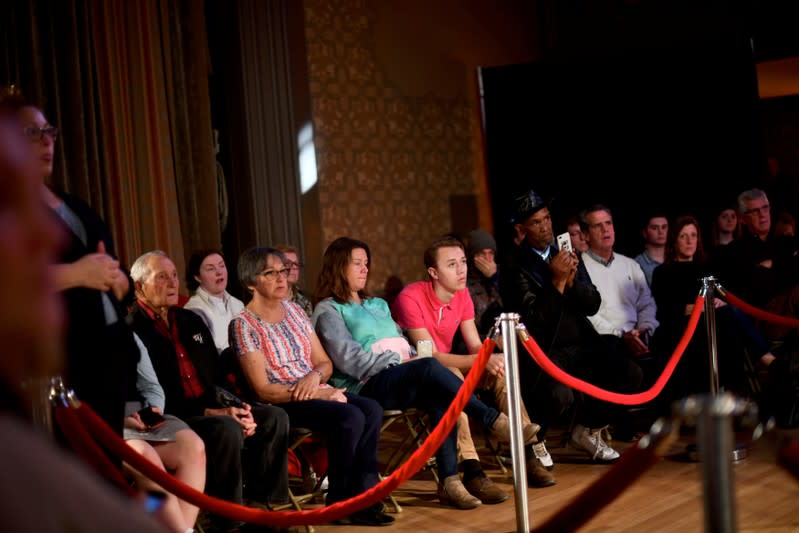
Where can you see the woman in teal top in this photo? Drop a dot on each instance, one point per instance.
(371, 357)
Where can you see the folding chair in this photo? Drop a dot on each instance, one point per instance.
(298, 436)
(417, 429)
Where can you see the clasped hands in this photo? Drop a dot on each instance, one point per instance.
(101, 271)
(564, 267)
(308, 389)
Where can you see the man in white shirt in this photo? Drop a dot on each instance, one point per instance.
(626, 316)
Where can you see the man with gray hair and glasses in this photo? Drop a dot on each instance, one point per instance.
(758, 266)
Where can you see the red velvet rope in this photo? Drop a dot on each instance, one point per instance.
(631, 466)
(615, 397)
(759, 313)
(788, 457)
(100, 430)
(88, 450)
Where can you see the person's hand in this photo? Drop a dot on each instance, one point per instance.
(496, 365)
(563, 266)
(243, 415)
(305, 388)
(134, 422)
(718, 302)
(331, 394)
(99, 270)
(632, 339)
(487, 267)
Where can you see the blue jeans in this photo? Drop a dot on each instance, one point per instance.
(352, 431)
(425, 384)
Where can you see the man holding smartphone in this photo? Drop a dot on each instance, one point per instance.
(552, 292)
(243, 443)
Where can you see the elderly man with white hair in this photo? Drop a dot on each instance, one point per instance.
(185, 359)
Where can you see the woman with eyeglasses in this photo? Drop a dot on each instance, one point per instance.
(284, 364)
(206, 277)
(296, 294)
(101, 353)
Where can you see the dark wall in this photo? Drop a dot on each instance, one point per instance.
(648, 127)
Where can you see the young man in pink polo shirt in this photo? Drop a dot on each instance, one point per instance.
(435, 310)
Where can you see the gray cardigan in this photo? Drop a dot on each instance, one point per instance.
(349, 358)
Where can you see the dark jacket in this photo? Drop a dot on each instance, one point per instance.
(558, 322)
(199, 344)
(101, 360)
(739, 268)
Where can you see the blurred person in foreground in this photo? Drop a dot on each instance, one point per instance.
(36, 473)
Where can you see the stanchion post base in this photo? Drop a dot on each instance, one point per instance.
(739, 453)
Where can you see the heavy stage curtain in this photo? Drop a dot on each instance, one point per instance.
(127, 85)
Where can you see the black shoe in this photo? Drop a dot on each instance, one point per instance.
(371, 516)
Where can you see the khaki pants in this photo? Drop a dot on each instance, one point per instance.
(466, 448)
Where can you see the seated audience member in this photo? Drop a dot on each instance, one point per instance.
(725, 227)
(100, 352)
(576, 235)
(434, 310)
(781, 395)
(294, 265)
(675, 286)
(553, 294)
(654, 232)
(243, 444)
(372, 358)
(171, 445)
(785, 225)
(284, 363)
(43, 488)
(206, 277)
(626, 314)
(483, 279)
(758, 267)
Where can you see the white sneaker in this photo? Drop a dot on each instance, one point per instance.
(590, 441)
(542, 454)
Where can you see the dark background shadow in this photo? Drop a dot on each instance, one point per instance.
(676, 128)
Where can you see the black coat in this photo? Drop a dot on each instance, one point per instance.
(558, 322)
(101, 360)
(199, 345)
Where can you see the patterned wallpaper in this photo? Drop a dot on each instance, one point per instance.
(389, 153)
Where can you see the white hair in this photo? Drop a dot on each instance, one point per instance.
(141, 267)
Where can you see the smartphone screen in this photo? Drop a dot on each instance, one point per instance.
(153, 501)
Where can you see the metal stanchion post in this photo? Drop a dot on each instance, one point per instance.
(714, 432)
(509, 321)
(709, 283)
(38, 390)
(713, 416)
(709, 290)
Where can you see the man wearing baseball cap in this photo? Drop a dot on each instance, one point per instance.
(553, 294)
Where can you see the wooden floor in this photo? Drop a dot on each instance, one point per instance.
(667, 498)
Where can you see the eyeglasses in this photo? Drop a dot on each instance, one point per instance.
(763, 210)
(272, 275)
(35, 134)
(294, 264)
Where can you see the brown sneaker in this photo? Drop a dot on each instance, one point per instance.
(452, 492)
(486, 490)
(501, 429)
(537, 475)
